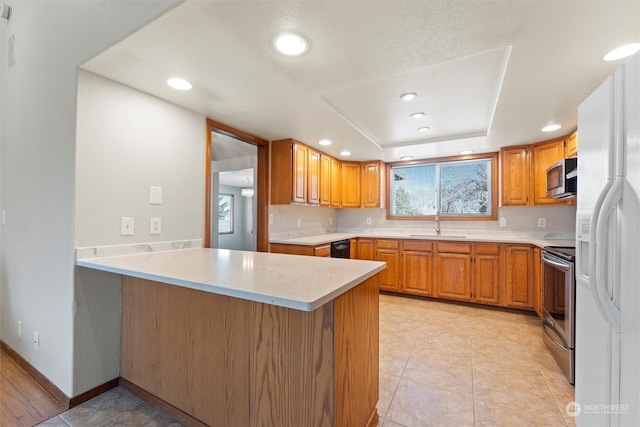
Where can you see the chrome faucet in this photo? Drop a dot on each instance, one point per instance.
(437, 222)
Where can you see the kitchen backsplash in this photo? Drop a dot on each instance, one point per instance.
(316, 220)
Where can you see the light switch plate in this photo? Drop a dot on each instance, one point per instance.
(126, 226)
(155, 195)
(155, 226)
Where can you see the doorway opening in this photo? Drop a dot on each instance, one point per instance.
(236, 189)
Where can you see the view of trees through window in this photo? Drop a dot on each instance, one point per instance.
(455, 188)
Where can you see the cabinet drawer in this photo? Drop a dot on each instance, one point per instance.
(487, 248)
(417, 245)
(460, 248)
(387, 244)
(322, 251)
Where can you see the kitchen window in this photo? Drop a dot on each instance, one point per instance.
(225, 213)
(463, 187)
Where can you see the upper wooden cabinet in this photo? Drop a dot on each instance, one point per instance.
(313, 177)
(544, 155)
(325, 180)
(571, 145)
(336, 183)
(371, 184)
(288, 172)
(350, 185)
(523, 173)
(515, 172)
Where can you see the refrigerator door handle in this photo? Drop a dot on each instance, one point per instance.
(612, 198)
(593, 260)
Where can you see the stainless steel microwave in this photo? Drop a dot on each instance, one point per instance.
(562, 179)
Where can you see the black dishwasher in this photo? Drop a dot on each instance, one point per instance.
(340, 249)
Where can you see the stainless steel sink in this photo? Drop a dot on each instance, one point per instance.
(435, 236)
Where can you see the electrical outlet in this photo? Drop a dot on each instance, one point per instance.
(299, 222)
(503, 222)
(368, 220)
(542, 222)
(155, 226)
(330, 220)
(126, 226)
(36, 341)
(19, 329)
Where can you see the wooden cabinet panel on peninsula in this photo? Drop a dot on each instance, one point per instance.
(453, 271)
(519, 276)
(389, 251)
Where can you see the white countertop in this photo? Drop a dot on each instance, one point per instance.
(457, 236)
(298, 282)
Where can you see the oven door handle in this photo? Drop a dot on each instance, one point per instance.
(544, 329)
(560, 265)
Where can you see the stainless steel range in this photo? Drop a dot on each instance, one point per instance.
(558, 306)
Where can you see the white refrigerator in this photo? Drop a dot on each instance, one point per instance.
(607, 346)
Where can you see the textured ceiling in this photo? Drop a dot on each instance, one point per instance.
(492, 72)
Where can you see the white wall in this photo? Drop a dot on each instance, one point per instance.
(127, 141)
(38, 168)
(560, 219)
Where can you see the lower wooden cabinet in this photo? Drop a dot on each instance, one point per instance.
(417, 267)
(519, 276)
(365, 249)
(453, 271)
(486, 273)
(389, 251)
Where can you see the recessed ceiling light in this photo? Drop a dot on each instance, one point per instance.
(324, 142)
(424, 129)
(465, 152)
(345, 153)
(290, 44)
(417, 115)
(408, 96)
(622, 52)
(406, 158)
(550, 128)
(179, 84)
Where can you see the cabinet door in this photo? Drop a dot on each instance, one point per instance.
(544, 155)
(353, 249)
(350, 185)
(537, 281)
(453, 276)
(299, 181)
(313, 177)
(486, 278)
(519, 276)
(571, 145)
(514, 164)
(336, 183)
(389, 277)
(371, 185)
(417, 272)
(365, 249)
(325, 180)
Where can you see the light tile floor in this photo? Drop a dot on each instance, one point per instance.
(445, 364)
(441, 364)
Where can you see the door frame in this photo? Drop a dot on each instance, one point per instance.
(261, 186)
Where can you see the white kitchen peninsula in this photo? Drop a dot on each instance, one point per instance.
(233, 338)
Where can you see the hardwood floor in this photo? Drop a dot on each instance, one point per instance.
(23, 402)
